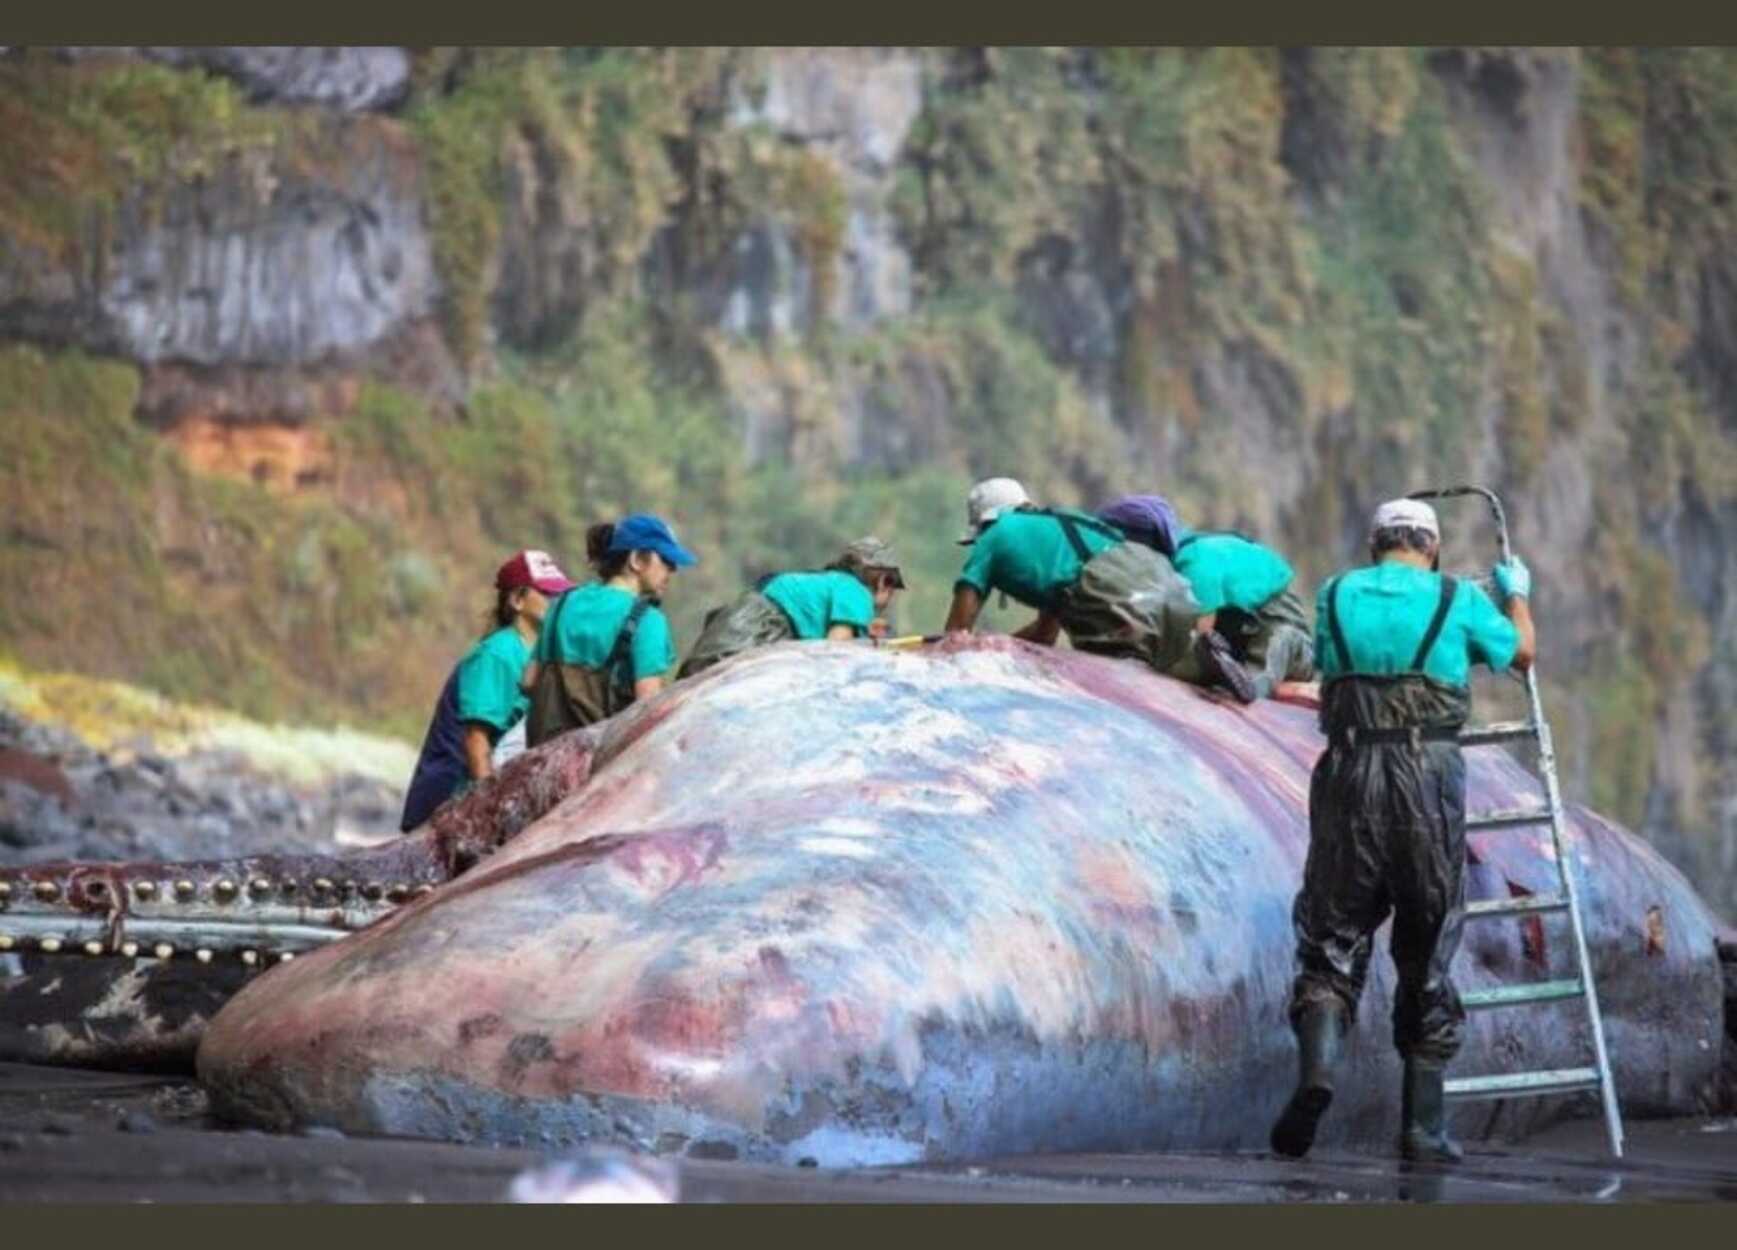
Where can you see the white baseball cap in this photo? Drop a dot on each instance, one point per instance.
(1414, 513)
(988, 500)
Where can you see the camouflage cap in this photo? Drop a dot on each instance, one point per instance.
(872, 553)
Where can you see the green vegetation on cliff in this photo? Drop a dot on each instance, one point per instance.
(351, 606)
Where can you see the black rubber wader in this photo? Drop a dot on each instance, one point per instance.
(1387, 833)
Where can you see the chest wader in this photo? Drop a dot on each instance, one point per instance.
(571, 696)
(1387, 833)
(1127, 601)
(1275, 640)
(752, 621)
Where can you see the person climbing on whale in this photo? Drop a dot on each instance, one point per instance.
(1395, 641)
(607, 643)
(481, 700)
(1253, 631)
(839, 602)
(1080, 573)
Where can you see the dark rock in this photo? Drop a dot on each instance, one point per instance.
(253, 264)
(55, 1126)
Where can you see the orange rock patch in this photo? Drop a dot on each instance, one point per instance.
(280, 457)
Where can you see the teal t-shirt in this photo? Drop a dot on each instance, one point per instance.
(1028, 555)
(1226, 570)
(583, 631)
(1384, 611)
(488, 681)
(815, 602)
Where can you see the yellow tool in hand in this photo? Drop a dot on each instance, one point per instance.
(907, 642)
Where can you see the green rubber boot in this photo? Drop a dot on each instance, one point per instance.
(1320, 1032)
(1423, 1117)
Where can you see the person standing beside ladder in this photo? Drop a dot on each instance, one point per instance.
(1395, 642)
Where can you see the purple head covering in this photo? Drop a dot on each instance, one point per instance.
(1146, 519)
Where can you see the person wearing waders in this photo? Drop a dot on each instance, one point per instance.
(1250, 615)
(1081, 574)
(606, 644)
(1395, 642)
(836, 603)
(481, 699)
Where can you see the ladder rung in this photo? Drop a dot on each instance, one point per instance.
(1509, 820)
(1520, 1084)
(1519, 995)
(1517, 906)
(1497, 731)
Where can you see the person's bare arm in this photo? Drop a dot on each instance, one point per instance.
(477, 751)
(840, 633)
(1520, 612)
(967, 603)
(1044, 630)
(646, 687)
(528, 678)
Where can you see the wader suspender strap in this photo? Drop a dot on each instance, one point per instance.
(1333, 630)
(554, 626)
(619, 664)
(1442, 605)
(1071, 528)
(1448, 586)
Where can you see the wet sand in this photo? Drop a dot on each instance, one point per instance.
(78, 1136)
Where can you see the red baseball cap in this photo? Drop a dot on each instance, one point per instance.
(533, 568)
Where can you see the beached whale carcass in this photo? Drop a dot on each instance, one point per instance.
(853, 905)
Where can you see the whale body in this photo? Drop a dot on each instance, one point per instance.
(840, 904)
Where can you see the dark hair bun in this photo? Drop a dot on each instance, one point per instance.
(597, 540)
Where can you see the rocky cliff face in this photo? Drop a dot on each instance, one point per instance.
(1279, 286)
(351, 79)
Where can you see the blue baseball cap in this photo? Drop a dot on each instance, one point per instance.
(643, 532)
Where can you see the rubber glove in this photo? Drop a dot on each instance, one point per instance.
(1512, 578)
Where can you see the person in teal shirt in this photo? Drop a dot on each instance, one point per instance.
(1250, 616)
(839, 602)
(1253, 632)
(1395, 642)
(608, 643)
(1114, 597)
(481, 700)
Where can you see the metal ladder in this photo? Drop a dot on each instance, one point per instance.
(1554, 1080)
